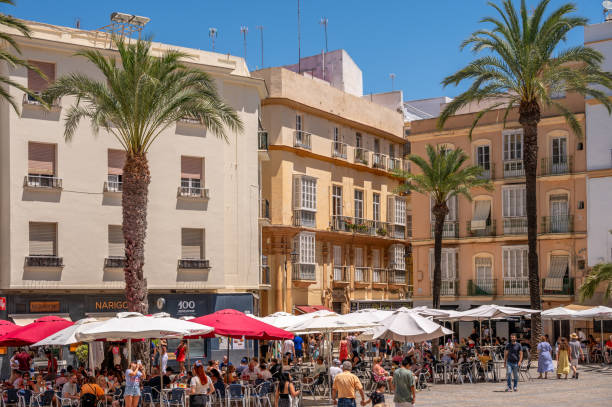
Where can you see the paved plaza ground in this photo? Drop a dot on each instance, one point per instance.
(593, 389)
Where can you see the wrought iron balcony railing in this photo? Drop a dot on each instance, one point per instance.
(113, 186)
(42, 181)
(304, 218)
(516, 286)
(361, 155)
(450, 230)
(514, 169)
(341, 274)
(44, 261)
(362, 274)
(557, 165)
(567, 288)
(488, 173)
(558, 224)
(301, 139)
(303, 272)
(194, 264)
(489, 230)
(338, 149)
(482, 287)
(379, 161)
(379, 276)
(193, 192)
(396, 276)
(515, 225)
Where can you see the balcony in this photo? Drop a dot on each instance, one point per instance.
(44, 261)
(42, 182)
(338, 150)
(514, 169)
(32, 101)
(362, 275)
(301, 139)
(380, 228)
(341, 275)
(397, 231)
(488, 173)
(192, 193)
(566, 289)
(379, 276)
(487, 287)
(515, 226)
(558, 224)
(361, 156)
(262, 140)
(517, 286)
(397, 277)
(303, 272)
(114, 262)
(264, 209)
(448, 288)
(265, 275)
(556, 165)
(113, 186)
(449, 231)
(193, 264)
(379, 161)
(395, 164)
(489, 230)
(192, 121)
(304, 218)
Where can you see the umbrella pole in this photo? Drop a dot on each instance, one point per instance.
(490, 334)
(187, 359)
(89, 351)
(480, 331)
(329, 361)
(602, 343)
(129, 345)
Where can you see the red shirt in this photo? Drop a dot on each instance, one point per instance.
(24, 361)
(609, 344)
(52, 365)
(180, 353)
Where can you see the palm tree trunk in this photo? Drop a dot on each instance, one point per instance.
(136, 179)
(439, 211)
(529, 117)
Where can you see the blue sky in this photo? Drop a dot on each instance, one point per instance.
(418, 40)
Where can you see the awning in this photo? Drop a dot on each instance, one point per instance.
(482, 210)
(556, 273)
(306, 309)
(101, 316)
(25, 319)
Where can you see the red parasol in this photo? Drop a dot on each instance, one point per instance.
(235, 324)
(34, 332)
(7, 327)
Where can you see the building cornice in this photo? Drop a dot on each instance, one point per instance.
(607, 172)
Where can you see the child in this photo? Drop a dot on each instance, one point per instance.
(377, 397)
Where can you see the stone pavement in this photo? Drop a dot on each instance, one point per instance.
(593, 389)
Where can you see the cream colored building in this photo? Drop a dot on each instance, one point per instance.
(335, 230)
(60, 216)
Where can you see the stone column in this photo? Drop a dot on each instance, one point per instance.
(278, 264)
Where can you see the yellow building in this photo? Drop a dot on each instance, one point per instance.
(334, 228)
(484, 255)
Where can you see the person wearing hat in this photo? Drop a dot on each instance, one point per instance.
(575, 354)
(335, 369)
(345, 385)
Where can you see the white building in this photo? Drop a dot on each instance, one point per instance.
(599, 156)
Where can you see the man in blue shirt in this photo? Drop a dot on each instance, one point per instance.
(298, 343)
(513, 356)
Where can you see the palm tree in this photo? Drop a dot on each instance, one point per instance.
(442, 177)
(136, 101)
(601, 273)
(12, 60)
(523, 68)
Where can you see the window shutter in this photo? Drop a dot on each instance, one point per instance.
(191, 167)
(192, 243)
(43, 239)
(432, 261)
(375, 258)
(391, 209)
(337, 255)
(116, 244)
(35, 82)
(41, 158)
(358, 257)
(452, 208)
(116, 162)
(297, 192)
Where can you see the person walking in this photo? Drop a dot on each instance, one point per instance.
(513, 356)
(563, 366)
(284, 391)
(181, 355)
(163, 360)
(345, 385)
(576, 354)
(545, 363)
(133, 377)
(403, 384)
(343, 353)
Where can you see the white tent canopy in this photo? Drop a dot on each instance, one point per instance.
(560, 313)
(493, 311)
(132, 325)
(329, 323)
(368, 315)
(405, 325)
(284, 320)
(436, 313)
(599, 312)
(67, 336)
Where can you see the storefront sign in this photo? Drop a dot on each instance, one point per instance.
(111, 305)
(44, 306)
(2, 303)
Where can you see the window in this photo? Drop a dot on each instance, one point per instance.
(407, 148)
(391, 151)
(305, 246)
(482, 215)
(559, 214)
(515, 262)
(358, 204)
(358, 257)
(43, 239)
(376, 145)
(397, 210)
(559, 159)
(557, 272)
(448, 264)
(298, 122)
(41, 165)
(513, 145)
(305, 200)
(358, 140)
(409, 225)
(192, 244)
(483, 157)
(376, 206)
(337, 256)
(396, 257)
(37, 83)
(337, 200)
(484, 268)
(451, 203)
(116, 162)
(375, 258)
(116, 244)
(191, 174)
(337, 135)
(514, 201)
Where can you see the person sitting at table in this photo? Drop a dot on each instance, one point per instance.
(286, 363)
(244, 363)
(39, 385)
(225, 363)
(213, 365)
(155, 381)
(91, 387)
(26, 383)
(200, 386)
(264, 373)
(319, 367)
(379, 372)
(399, 356)
(357, 362)
(17, 381)
(61, 379)
(70, 390)
(230, 375)
(249, 373)
(218, 385)
(275, 368)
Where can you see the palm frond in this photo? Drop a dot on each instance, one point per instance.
(600, 274)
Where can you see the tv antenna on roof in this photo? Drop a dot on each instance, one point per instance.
(123, 24)
(392, 76)
(244, 30)
(212, 33)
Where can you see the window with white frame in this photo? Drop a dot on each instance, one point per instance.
(376, 206)
(358, 140)
(484, 268)
(358, 257)
(451, 203)
(398, 210)
(515, 262)
(396, 257)
(513, 145)
(448, 264)
(305, 245)
(298, 122)
(514, 201)
(336, 200)
(483, 157)
(305, 199)
(358, 204)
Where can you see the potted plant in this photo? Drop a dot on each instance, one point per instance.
(381, 231)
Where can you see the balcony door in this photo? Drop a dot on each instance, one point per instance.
(559, 214)
(338, 263)
(559, 155)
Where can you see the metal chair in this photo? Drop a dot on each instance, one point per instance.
(261, 394)
(236, 393)
(524, 370)
(65, 401)
(176, 398)
(44, 399)
(24, 397)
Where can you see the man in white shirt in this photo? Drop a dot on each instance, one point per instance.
(335, 369)
(289, 347)
(164, 359)
(70, 390)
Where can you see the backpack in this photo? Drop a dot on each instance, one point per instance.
(88, 400)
